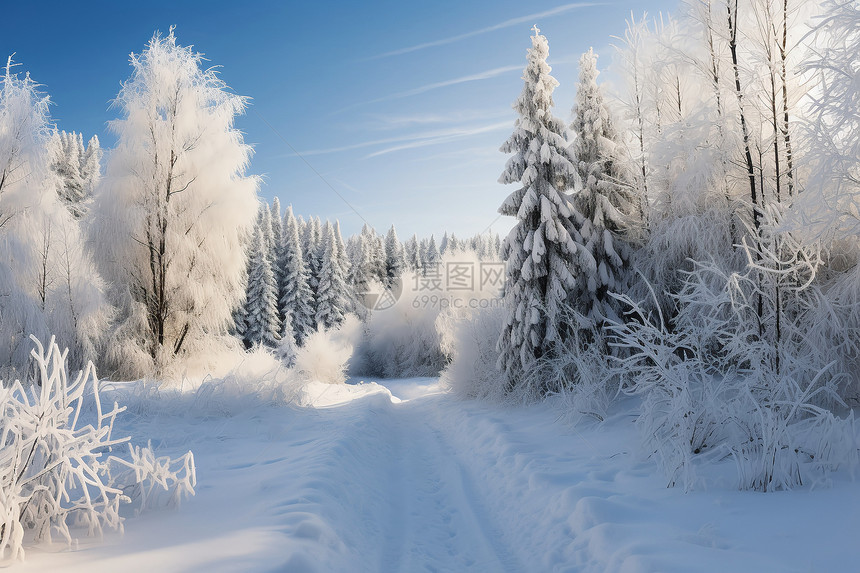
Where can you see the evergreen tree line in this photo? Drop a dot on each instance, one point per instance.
(302, 276)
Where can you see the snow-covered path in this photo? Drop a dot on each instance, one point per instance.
(404, 478)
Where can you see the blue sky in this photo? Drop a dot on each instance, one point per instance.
(397, 108)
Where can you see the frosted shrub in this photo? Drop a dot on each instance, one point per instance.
(417, 336)
(402, 341)
(56, 470)
(720, 384)
(472, 372)
(325, 355)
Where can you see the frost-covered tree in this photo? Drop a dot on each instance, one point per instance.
(172, 208)
(345, 263)
(431, 257)
(312, 246)
(830, 206)
(77, 167)
(377, 258)
(332, 296)
(264, 223)
(454, 243)
(443, 244)
(603, 208)
(540, 247)
(395, 259)
(278, 245)
(262, 325)
(48, 280)
(296, 298)
(358, 277)
(413, 254)
(91, 166)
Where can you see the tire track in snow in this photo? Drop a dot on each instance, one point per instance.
(439, 522)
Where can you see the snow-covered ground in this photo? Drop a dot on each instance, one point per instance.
(404, 477)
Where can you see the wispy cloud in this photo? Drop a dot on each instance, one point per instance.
(411, 141)
(381, 121)
(501, 25)
(444, 138)
(485, 75)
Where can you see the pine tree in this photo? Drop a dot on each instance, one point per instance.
(603, 208)
(395, 260)
(261, 308)
(332, 293)
(296, 300)
(540, 247)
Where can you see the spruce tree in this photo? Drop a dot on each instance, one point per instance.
(331, 293)
(311, 249)
(432, 257)
(413, 254)
(603, 207)
(91, 166)
(261, 308)
(443, 244)
(296, 299)
(395, 259)
(68, 161)
(540, 247)
(342, 255)
(454, 243)
(378, 257)
(278, 246)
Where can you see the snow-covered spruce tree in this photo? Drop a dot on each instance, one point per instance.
(261, 307)
(603, 209)
(345, 266)
(296, 299)
(413, 254)
(377, 258)
(539, 248)
(264, 222)
(66, 151)
(395, 259)
(91, 166)
(332, 296)
(312, 246)
(432, 258)
(358, 277)
(172, 208)
(278, 246)
(78, 168)
(48, 281)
